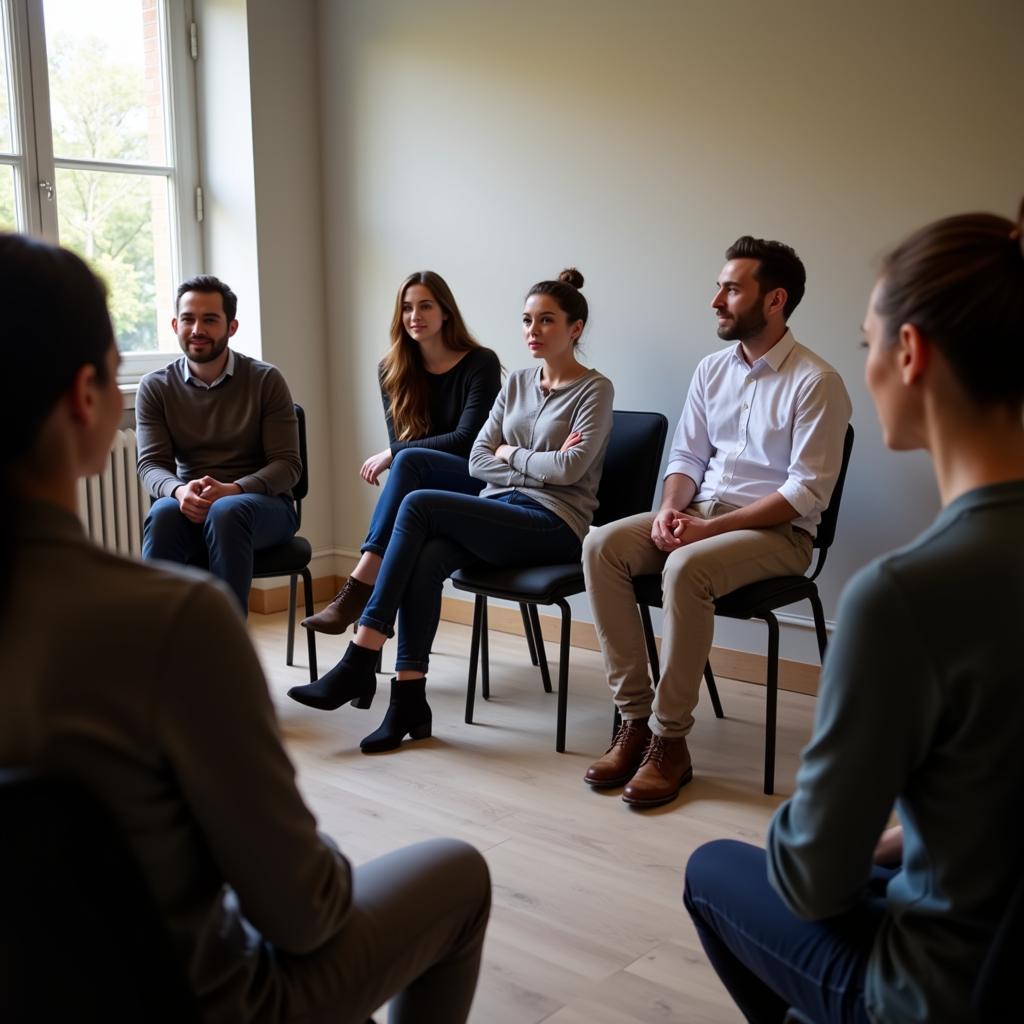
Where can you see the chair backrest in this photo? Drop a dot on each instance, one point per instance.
(301, 489)
(631, 465)
(830, 517)
(81, 937)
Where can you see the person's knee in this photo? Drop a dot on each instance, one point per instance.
(227, 516)
(598, 548)
(685, 571)
(709, 866)
(164, 512)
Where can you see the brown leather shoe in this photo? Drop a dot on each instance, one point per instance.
(347, 606)
(665, 769)
(622, 758)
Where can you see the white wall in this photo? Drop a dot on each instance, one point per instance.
(259, 124)
(497, 142)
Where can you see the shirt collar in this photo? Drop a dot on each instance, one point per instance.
(190, 378)
(774, 357)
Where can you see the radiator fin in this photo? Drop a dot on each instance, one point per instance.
(113, 505)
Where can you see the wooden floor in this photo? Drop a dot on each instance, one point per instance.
(588, 925)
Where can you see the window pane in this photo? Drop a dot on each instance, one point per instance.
(119, 224)
(8, 218)
(6, 140)
(106, 80)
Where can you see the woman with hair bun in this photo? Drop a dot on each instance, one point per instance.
(139, 683)
(921, 702)
(539, 456)
(437, 383)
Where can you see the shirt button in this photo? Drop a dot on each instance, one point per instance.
(745, 406)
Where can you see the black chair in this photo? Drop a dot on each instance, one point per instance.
(292, 559)
(759, 601)
(628, 483)
(81, 937)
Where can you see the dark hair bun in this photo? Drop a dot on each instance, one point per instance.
(571, 276)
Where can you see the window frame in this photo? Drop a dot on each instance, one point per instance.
(35, 165)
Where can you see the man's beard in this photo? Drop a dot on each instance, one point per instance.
(745, 325)
(214, 351)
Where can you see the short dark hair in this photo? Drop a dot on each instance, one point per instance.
(208, 283)
(960, 281)
(566, 292)
(778, 267)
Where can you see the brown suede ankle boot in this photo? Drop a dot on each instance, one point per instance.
(347, 606)
(622, 758)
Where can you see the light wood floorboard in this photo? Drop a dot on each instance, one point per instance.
(588, 925)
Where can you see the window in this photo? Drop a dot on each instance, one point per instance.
(97, 150)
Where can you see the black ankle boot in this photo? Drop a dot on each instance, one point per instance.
(408, 712)
(352, 679)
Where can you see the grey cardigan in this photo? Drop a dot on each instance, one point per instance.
(536, 423)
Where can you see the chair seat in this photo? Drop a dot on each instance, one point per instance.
(543, 584)
(283, 559)
(743, 603)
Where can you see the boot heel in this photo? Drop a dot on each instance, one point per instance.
(420, 732)
(364, 701)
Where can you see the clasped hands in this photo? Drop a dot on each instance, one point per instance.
(196, 497)
(672, 529)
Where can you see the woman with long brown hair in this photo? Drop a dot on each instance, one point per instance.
(920, 705)
(437, 383)
(139, 682)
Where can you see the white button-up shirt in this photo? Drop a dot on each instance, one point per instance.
(778, 425)
(191, 378)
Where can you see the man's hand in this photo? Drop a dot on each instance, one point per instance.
(214, 489)
(688, 529)
(193, 505)
(375, 465)
(889, 851)
(663, 529)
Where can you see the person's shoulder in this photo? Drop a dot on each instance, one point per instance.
(254, 366)
(595, 381)
(807, 361)
(161, 378)
(481, 358)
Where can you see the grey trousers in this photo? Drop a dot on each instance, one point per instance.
(692, 576)
(414, 935)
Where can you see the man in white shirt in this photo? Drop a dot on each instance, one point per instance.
(754, 459)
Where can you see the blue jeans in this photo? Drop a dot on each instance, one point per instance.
(414, 469)
(767, 957)
(235, 526)
(437, 532)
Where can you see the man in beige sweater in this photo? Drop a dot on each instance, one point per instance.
(218, 445)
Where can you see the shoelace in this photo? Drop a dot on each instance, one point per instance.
(622, 734)
(655, 751)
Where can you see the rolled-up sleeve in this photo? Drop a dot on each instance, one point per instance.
(691, 444)
(819, 427)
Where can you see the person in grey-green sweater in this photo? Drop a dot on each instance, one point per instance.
(921, 703)
(218, 445)
(540, 454)
(150, 695)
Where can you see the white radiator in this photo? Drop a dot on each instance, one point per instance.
(113, 505)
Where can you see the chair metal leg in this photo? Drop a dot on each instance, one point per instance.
(542, 658)
(485, 654)
(819, 625)
(307, 587)
(474, 654)
(772, 702)
(289, 657)
(709, 678)
(528, 630)
(563, 675)
(652, 647)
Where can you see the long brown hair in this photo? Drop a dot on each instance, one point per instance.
(402, 374)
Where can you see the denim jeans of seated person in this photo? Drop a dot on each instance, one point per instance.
(235, 527)
(415, 469)
(437, 532)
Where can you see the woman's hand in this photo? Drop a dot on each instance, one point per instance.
(889, 850)
(375, 465)
(571, 441)
(504, 452)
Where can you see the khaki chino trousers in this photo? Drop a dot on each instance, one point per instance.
(692, 576)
